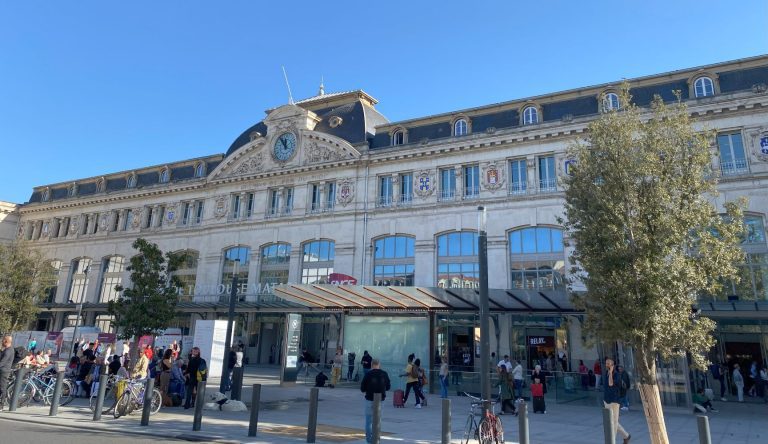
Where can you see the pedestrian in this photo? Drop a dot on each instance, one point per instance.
(32, 345)
(423, 382)
(6, 367)
(177, 378)
(164, 372)
(754, 379)
(541, 375)
(517, 376)
(444, 377)
(141, 367)
(506, 391)
(196, 372)
(366, 361)
(374, 381)
(624, 385)
(231, 364)
(717, 373)
(701, 403)
(85, 376)
(738, 381)
(338, 359)
(611, 398)
(114, 365)
(412, 381)
(584, 375)
(598, 370)
(350, 365)
(175, 350)
(506, 364)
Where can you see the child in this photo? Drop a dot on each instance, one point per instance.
(537, 392)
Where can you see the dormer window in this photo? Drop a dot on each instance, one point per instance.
(46, 195)
(398, 137)
(530, 115)
(100, 185)
(131, 181)
(460, 127)
(610, 102)
(703, 87)
(165, 175)
(200, 169)
(72, 192)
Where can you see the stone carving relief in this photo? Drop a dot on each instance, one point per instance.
(46, 230)
(321, 153)
(759, 141)
(251, 165)
(74, 224)
(20, 233)
(170, 213)
(346, 192)
(220, 206)
(136, 218)
(424, 183)
(103, 219)
(493, 177)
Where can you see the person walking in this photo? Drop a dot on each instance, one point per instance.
(196, 371)
(412, 381)
(6, 368)
(374, 381)
(338, 360)
(717, 373)
(350, 364)
(611, 398)
(517, 376)
(366, 361)
(598, 370)
(738, 381)
(624, 385)
(506, 391)
(444, 378)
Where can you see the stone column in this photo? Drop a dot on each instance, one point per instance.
(459, 175)
(36, 230)
(321, 204)
(396, 187)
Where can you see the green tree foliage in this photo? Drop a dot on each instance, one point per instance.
(149, 305)
(24, 276)
(649, 239)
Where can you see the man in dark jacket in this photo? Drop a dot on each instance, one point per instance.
(6, 367)
(375, 381)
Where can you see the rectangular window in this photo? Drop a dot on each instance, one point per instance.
(447, 184)
(249, 210)
(518, 174)
(186, 213)
(115, 220)
(95, 223)
(160, 216)
(385, 191)
(315, 205)
(733, 160)
(547, 178)
(85, 219)
(288, 208)
(406, 188)
(274, 202)
(128, 222)
(148, 220)
(330, 195)
(235, 206)
(199, 215)
(471, 181)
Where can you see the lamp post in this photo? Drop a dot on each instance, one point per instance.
(80, 308)
(230, 325)
(485, 341)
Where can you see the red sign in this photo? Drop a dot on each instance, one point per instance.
(341, 279)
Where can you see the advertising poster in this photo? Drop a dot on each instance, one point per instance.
(54, 342)
(107, 343)
(209, 338)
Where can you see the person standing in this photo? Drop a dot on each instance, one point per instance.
(338, 360)
(350, 364)
(366, 361)
(412, 381)
(196, 371)
(506, 392)
(517, 376)
(738, 381)
(598, 370)
(718, 374)
(611, 398)
(374, 381)
(505, 363)
(6, 367)
(142, 367)
(624, 385)
(444, 377)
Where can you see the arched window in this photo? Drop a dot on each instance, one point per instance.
(100, 186)
(460, 127)
(530, 115)
(393, 261)
(537, 258)
(52, 281)
(200, 169)
(275, 263)
(111, 276)
(457, 263)
(72, 192)
(236, 261)
(317, 261)
(46, 195)
(187, 274)
(703, 87)
(79, 281)
(130, 182)
(165, 175)
(398, 137)
(610, 102)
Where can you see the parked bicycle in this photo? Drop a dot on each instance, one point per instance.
(489, 430)
(39, 387)
(132, 398)
(111, 394)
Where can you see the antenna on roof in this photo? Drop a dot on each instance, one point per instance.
(322, 87)
(288, 85)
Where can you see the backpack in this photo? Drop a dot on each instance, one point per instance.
(19, 353)
(414, 371)
(202, 371)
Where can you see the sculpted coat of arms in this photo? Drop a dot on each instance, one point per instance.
(220, 207)
(136, 222)
(760, 144)
(346, 192)
(493, 177)
(424, 184)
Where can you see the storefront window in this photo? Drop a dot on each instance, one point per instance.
(537, 258)
(457, 264)
(393, 261)
(317, 261)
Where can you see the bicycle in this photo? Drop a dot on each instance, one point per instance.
(39, 387)
(132, 398)
(110, 398)
(489, 430)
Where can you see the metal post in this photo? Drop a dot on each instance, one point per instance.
(100, 398)
(255, 400)
(446, 435)
(199, 402)
(522, 418)
(704, 435)
(56, 394)
(376, 426)
(312, 421)
(485, 340)
(228, 339)
(20, 373)
(610, 435)
(149, 389)
(237, 384)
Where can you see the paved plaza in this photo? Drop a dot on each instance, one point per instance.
(284, 411)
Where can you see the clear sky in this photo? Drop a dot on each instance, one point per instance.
(95, 87)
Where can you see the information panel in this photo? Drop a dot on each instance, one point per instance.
(292, 349)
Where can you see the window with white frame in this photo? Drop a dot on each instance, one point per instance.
(235, 206)
(530, 115)
(200, 169)
(198, 212)
(703, 87)
(398, 137)
(105, 323)
(471, 181)
(754, 230)
(72, 192)
(537, 258)
(187, 274)
(394, 261)
(315, 199)
(547, 177)
(250, 201)
(518, 175)
(385, 191)
(460, 127)
(52, 281)
(317, 261)
(733, 159)
(406, 188)
(79, 280)
(610, 102)
(447, 184)
(111, 276)
(457, 260)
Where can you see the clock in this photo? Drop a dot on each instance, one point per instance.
(285, 146)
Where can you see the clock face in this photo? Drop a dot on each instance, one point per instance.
(285, 145)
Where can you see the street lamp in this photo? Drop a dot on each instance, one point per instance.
(80, 307)
(230, 322)
(485, 341)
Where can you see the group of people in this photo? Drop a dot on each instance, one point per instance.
(754, 382)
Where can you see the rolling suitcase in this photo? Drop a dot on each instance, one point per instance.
(398, 398)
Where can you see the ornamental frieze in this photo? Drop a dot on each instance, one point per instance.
(317, 153)
(251, 165)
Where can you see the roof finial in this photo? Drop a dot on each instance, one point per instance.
(321, 92)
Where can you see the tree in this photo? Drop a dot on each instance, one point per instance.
(25, 274)
(149, 305)
(648, 238)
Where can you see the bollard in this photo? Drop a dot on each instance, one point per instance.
(100, 397)
(446, 436)
(312, 421)
(199, 402)
(236, 383)
(149, 389)
(610, 435)
(522, 419)
(704, 435)
(376, 426)
(255, 400)
(17, 385)
(56, 394)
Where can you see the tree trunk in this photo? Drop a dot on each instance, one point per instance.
(649, 394)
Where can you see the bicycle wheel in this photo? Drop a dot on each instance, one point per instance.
(157, 402)
(485, 433)
(66, 393)
(470, 430)
(122, 405)
(499, 429)
(26, 395)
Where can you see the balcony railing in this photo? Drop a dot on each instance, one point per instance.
(384, 202)
(446, 196)
(517, 188)
(405, 200)
(735, 168)
(273, 213)
(471, 192)
(548, 186)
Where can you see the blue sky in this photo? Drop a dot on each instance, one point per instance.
(93, 87)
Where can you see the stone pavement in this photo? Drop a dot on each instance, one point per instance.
(283, 419)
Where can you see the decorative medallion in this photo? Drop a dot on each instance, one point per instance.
(103, 218)
(346, 191)
(335, 121)
(136, 222)
(761, 150)
(220, 207)
(425, 183)
(170, 213)
(493, 177)
(567, 165)
(251, 165)
(322, 153)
